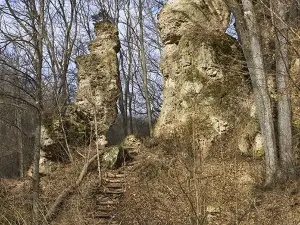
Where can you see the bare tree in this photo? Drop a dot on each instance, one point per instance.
(279, 161)
(38, 42)
(60, 38)
(248, 31)
(280, 14)
(28, 42)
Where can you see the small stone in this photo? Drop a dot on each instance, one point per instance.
(213, 209)
(246, 179)
(253, 111)
(244, 145)
(184, 104)
(258, 149)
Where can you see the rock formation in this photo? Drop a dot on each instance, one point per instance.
(205, 91)
(98, 77)
(98, 91)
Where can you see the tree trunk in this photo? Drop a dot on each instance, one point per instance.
(35, 176)
(20, 141)
(122, 101)
(128, 96)
(248, 31)
(144, 67)
(39, 99)
(283, 89)
(130, 107)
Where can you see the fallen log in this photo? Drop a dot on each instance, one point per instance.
(65, 193)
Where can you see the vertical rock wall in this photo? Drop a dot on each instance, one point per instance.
(204, 85)
(98, 77)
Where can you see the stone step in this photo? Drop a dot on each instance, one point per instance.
(114, 180)
(114, 191)
(109, 222)
(102, 215)
(114, 185)
(132, 163)
(105, 208)
(109, 202)
(114, 175)
(109, 194)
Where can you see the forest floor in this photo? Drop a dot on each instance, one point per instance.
(162, 185)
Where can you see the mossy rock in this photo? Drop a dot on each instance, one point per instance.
(258, 153)
(114, 158)
(296, 124)
(110, 157)
(76, 126)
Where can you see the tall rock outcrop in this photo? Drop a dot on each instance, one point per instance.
(98, 91)
(98, 77)
(205, 89)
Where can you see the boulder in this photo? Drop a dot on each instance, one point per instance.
(132, 145)
(114, 157)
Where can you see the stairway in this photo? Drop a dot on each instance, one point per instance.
(107, 197)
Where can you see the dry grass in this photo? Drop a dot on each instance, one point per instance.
(15, 202)
(170, 184)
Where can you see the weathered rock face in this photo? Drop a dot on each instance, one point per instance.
(98, 77)
(204, 86)
(98, 91)
(180, 17)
